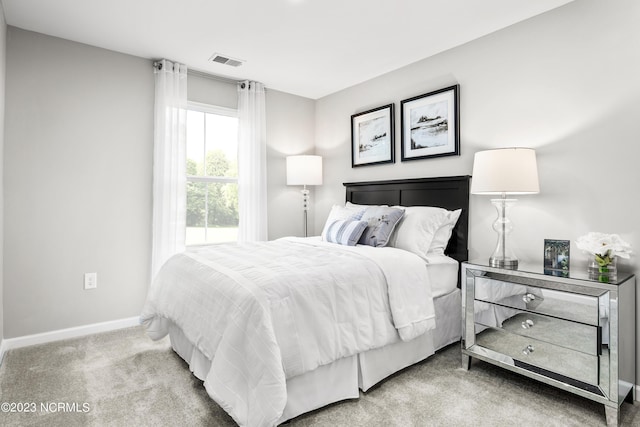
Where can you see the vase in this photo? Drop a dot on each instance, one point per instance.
(603, 273)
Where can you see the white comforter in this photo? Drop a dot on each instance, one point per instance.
(268, 311)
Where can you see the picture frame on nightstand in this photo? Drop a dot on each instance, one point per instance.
(557, 257)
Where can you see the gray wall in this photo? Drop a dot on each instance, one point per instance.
(3, 55)
(78, 167)
(212, 91)
(79, 136)
(565, 83)
(290, 130)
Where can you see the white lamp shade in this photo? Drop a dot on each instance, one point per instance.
(505, 171)
(304, 170)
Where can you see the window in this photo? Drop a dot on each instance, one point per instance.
(212, 174)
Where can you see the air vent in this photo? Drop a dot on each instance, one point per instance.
(225, 59)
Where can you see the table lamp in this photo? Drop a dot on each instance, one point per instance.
(504, 172)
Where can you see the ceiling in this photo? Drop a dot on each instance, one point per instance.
(310, 48)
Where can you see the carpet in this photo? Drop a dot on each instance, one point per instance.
(122, 378)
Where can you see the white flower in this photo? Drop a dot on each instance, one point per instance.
(604, 245)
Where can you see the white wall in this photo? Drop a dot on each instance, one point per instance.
(3, 55)
(565, 83)
(78, 168)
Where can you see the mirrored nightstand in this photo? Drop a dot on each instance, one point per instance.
(568, 331)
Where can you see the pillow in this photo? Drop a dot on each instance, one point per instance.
(418, 228)
(345, 232)
(341, 213)
(382, 220)
(442, 236)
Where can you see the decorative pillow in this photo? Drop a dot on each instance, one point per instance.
(345, 232)
(442, 236)
(341, 213)
(417, 230)
(382, 220)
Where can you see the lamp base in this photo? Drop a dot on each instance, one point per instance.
(305, 207)
(509, 264)
(503, 256)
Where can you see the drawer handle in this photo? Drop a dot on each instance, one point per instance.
(528, 349)
(527, 324)
(528, 297)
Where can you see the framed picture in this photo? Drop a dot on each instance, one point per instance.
(556, 257)
(431, 125)
(372, 137)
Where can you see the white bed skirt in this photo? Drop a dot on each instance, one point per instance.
(344, 378)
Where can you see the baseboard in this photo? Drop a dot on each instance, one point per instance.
(2, 350)
(63, 334)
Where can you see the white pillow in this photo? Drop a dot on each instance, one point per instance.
(341, 213)
(442, 236)
(345, 232)
(418, 227)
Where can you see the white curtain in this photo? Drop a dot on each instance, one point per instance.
(169, 162)
(252, 162)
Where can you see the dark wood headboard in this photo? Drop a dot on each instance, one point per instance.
(451, 192)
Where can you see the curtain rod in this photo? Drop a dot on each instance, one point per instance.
(208, 75)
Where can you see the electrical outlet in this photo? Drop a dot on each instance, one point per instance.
(90, 280)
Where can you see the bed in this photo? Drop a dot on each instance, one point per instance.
(276, 343)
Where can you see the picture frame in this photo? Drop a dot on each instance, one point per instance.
(372, 137)
(431, 124)
(557, 257)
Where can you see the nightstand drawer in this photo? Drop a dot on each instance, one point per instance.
(565, 305)
(571, 335)
(570, 363)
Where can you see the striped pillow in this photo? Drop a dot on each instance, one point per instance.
(341, 213)
(345, 232)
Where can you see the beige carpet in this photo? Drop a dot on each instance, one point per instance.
(124, 379)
